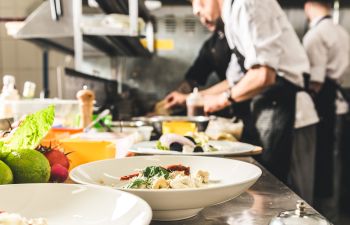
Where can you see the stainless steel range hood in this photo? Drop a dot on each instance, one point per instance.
(40, 23)
(45, 28)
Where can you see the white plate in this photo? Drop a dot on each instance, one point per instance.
(72, 204)
(228, 179)
(224, 148)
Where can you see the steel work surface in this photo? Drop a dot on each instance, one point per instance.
(265, 199)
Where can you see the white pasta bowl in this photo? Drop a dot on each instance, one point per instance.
(74, 204)
(227, 179)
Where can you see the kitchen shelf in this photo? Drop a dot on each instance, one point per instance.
(62, 34)
(121, 7)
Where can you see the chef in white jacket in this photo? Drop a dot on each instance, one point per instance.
(265, 83)
(327, 46)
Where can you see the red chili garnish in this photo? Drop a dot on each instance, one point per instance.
(179, 167)
(128, 177)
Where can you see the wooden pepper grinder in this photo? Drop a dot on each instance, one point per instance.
(86, 101)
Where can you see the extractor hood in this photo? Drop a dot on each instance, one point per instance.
(47, 28)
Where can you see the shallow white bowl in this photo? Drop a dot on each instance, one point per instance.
(229, 178)
(73, 204)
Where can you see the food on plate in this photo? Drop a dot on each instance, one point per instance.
(169, 177)
(191, 142)
(14, 219)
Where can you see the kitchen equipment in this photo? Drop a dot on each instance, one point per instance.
(300, 216)
(82, 150)
(8, 93)
(228, 179)
(66, 111)
(195, 104)
(224, 148)
(143, 128)
(28, 90)
(72, 204)
(86, 102)
(99, 117)
(157, 121)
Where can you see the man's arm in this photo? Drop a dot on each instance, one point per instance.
(256, 80)
(216, 89)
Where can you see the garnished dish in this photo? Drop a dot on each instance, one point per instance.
(169, 177)
(14, 218)
(191, 142)
(220, 179)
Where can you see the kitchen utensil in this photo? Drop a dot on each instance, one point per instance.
(86, 101)
(100, 116)
(229, 178)
(72, 204)
(224, 148)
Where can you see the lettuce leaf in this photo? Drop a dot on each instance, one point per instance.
(31, 130)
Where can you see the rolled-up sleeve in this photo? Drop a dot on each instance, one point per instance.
(233, 72)
(261, 31)
(317, 52)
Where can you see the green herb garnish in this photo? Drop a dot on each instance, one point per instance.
(137, 183)
(155, 171)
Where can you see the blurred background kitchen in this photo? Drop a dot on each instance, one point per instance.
(130, 64)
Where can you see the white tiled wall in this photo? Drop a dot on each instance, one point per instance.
(21, 58)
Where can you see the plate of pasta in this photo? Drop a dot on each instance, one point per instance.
(176, 187)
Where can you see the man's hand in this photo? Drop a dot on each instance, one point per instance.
(175, 98)
(214, 103)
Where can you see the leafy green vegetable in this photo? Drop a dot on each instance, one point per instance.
(158, 171)
(31, 130)
(161, 147)
(137, 183)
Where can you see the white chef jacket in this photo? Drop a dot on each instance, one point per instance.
(327, 46)
(262, 33)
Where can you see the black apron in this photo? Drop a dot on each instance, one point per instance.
(326, 109)
(325, 102)
(269, 122)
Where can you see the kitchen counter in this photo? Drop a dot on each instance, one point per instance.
(265, 199)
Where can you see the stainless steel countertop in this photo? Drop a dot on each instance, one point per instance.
(265, 199)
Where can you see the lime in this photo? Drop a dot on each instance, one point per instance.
(6, 176)
(28, 166)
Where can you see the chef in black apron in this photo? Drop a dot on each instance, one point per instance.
(214, 56)
(327, 46)
(273, 74)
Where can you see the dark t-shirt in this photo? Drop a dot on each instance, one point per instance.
(214, 56)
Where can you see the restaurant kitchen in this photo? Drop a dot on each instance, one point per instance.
(120, 74)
